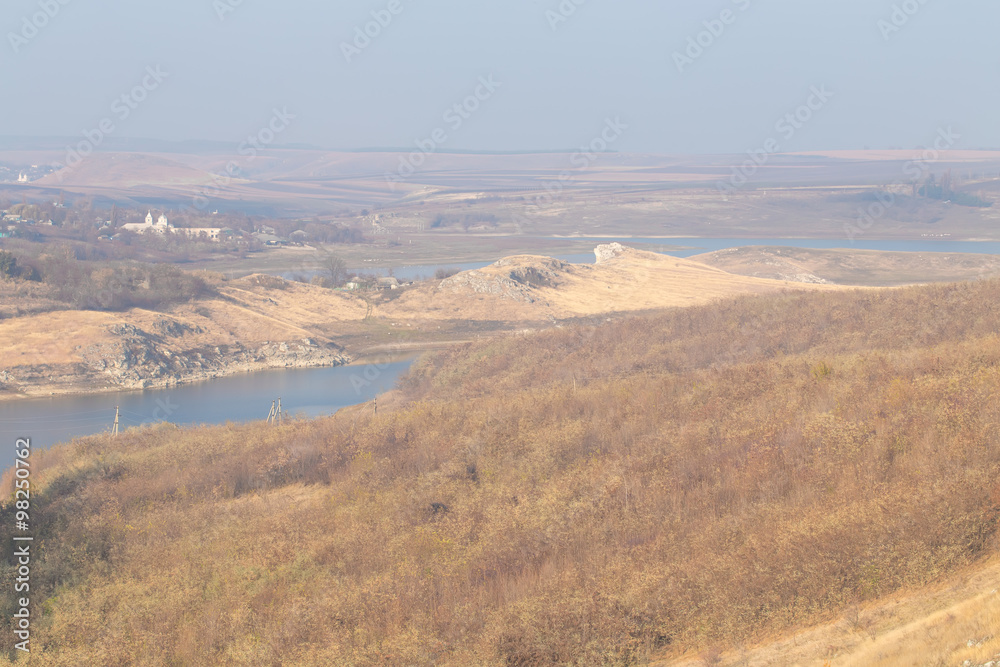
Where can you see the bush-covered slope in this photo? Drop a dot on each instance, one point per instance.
(700, 478)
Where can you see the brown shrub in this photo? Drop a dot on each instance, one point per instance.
(691, 483)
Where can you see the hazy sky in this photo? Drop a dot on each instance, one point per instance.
(559, 80)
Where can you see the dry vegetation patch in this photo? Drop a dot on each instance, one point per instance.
(590, 495)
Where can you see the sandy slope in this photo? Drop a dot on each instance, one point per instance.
(946, 624)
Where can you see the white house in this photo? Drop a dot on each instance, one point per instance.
(212, 233)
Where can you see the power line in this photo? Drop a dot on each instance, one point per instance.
(63, 416)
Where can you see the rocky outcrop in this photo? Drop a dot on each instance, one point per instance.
(608, 251)
(138, 359)
(513, 278)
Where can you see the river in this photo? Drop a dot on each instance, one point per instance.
(687, 247)
(310, 392)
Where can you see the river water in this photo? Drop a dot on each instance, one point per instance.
(310, 392)
(688, 247)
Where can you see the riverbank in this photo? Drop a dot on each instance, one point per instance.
(263, 322)
(303, 392)
(114, 372)
(51, 381)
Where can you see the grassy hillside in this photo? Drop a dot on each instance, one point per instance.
(948, 623)
(852, 267)
(624, 280)
(705, 478)
(234, 320)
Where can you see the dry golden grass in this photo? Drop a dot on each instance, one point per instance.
(967, 630)
(52, 338)
(245, 313)
(635, 280)
(251, 311)
(709, 477)
(945, 624)
(853, 267)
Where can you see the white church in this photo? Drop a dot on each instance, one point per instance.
(161, 226)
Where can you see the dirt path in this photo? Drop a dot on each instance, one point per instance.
(944, 624)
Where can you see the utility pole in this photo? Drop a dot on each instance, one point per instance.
(270, 415)
(375, 403)
(279, 410)
(114, 427)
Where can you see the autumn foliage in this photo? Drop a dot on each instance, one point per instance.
(587, 495)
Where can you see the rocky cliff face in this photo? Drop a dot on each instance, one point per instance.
(138, 359)
(608, 251)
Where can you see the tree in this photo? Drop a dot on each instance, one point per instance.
(8, 264)
(333, 268)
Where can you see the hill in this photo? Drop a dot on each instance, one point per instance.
(852, 267)
(248, 324)
(952, 622)
(527, 287)
(121, 171)
(262, 321)
(644, 489)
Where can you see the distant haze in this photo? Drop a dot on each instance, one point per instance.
(675, 77)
